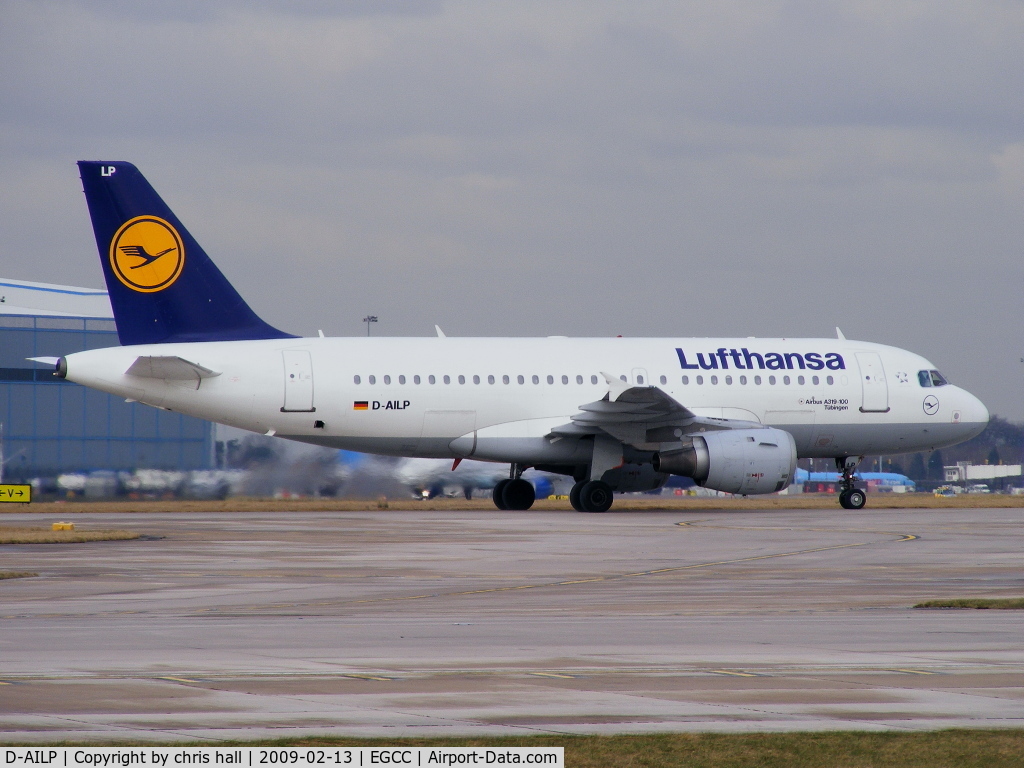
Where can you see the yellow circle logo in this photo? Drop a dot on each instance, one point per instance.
(147, 254)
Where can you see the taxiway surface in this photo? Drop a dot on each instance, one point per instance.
(385, 623)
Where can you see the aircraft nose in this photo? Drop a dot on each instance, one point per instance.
(973, 412)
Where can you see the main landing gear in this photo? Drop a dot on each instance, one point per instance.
(514, 493)
(591, 496)
(850, 497)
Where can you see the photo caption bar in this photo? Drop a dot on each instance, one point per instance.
(355, 757)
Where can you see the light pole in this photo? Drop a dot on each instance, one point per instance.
(369, 319)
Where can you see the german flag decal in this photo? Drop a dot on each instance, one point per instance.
(361, 405)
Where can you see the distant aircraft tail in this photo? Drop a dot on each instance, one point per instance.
(162, 285)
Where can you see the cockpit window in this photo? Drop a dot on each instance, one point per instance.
(931, 379)
(937, 379)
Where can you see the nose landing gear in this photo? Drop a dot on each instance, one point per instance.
(850, 497)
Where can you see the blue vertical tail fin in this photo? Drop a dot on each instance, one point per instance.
(162, 285)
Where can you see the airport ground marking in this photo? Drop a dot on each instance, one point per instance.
(553, 674)
(369, 677)
(178, 679)
(730, 672)
(903, 536)
(914, 671)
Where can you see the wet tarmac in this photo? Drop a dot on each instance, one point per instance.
(390, 624)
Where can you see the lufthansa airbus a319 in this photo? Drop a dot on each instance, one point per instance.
(616, 414)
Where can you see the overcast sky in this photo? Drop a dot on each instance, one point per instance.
(539, 168)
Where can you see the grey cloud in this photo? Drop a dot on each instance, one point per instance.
(533, 168)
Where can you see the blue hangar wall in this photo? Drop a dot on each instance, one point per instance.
(51, 426)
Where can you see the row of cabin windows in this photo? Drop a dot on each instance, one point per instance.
(699, 380)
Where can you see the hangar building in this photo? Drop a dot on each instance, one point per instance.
(49, 426)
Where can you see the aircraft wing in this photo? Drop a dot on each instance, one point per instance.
(643, 417)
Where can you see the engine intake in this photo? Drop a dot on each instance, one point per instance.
(743, 461)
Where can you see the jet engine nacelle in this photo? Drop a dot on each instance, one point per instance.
(743, 461)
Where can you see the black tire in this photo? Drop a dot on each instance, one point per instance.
(574, 496)
(596, 496)
(843, 501)
(856, 499)
(497, 494)
(518, 494)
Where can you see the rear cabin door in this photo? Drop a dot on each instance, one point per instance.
(298, 381)
(874, 388)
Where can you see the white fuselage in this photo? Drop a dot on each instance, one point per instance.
(459, 397)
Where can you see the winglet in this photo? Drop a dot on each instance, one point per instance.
(440, 333)
(839, 334)
(616, 386)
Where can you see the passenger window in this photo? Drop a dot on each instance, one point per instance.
(416, 379)
(579, 379)
(771, 380)
(937, 379)
(728, 379)
(700, 379)
(476, 379)
(356, 380)
(520, 379)
(536, 379)
(565, 379)
(593, 379)
(622, 378)
(372, 379)
(431, 379)
(663, 380)
(686, 379)
(714, 379)
(829, 380)
(800, 380)
(815, 380)
(743, 379)
(387, 379)
(924, 378)
(785, 380)
(639, 379)
(401, 379)
(462, 379)
(757, 380)
(551, 379)
(447, 379)
(504, 379)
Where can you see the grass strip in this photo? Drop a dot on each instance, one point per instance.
(960, 748)
(25, 535)
(1001, 603)
(16, 575)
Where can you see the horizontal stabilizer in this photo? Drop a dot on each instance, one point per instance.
(170, 368)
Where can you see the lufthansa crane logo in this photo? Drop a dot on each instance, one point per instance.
(147, 254)
(931, 405)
